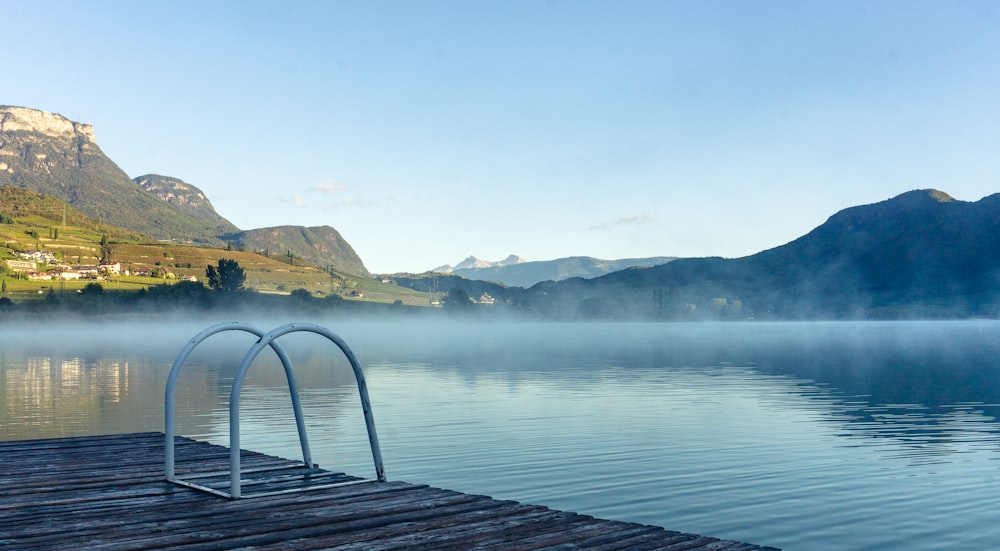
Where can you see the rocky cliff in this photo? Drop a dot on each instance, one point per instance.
(186, 197)
(51, 155)
(13, 119)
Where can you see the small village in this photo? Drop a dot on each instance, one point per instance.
(42, 265)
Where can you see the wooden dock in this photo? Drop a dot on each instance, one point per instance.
(109, 492)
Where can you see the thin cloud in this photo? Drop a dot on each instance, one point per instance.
(296, 200)
(350, 201)
(343, 195)
(630, 220)
(329, 186)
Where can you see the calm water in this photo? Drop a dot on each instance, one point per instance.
(804, 436)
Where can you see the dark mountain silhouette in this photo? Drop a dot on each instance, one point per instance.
(921, 254)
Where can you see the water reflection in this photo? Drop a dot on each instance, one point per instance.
(45, 395)
(934, 388)
(775, 433)
(931, 385)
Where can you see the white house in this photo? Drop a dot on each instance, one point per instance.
(22, 265)
(43, 257)
(110, 267)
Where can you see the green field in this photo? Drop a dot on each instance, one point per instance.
(173, 262)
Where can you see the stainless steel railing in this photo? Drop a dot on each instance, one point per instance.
(265, 340)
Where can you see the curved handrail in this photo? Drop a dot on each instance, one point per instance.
(168, 400)
(234, 398)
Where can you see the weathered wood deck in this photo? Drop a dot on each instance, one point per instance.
(108, 492)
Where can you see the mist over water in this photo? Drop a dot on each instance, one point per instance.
(800, 435)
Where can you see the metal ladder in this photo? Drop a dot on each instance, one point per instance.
(265, 340)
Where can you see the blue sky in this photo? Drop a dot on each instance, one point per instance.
(429, 131)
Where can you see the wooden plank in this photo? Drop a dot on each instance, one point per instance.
(438, 537)
(363, 539)
(184, 526)
(84, 477)
(201, 510)
(107, 492)
(372, 527)
(177, 502)
(625, 537)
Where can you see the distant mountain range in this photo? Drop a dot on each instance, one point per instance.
(920, 254)
(473, 263)
(517, 272)
(51, 155)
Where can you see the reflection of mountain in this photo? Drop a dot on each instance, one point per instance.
(933, 388)
(927, 386)
(931, 364)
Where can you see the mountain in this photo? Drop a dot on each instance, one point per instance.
(49, 154)
(516, 272)
(920, 254)
(16, 202)
(322, 246)
(473, 263)
(186, 198)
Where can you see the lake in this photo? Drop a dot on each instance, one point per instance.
(799, 435)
